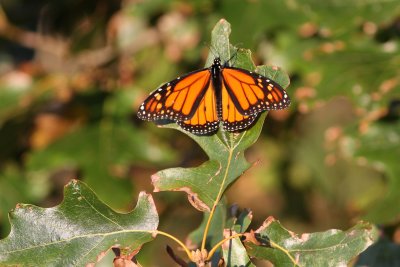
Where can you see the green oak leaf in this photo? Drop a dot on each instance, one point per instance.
(329, 248)
(206, 183)
(77, 231)
(242, 222)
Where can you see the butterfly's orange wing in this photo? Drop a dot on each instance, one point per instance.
(232, 119)
(178, 99)
(189, 100)
(205, 119)
(252, 93)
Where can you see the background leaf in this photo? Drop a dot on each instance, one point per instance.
(76, 231)
(379, 145)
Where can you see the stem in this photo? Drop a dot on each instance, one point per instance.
(177, 241)
(275, 245)
(203, 243)
(212, 251)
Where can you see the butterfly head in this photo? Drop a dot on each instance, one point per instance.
(217, 62)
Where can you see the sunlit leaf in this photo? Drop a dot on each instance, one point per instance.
(329, 248)
(77, 231)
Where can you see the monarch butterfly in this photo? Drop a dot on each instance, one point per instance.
(200, 100)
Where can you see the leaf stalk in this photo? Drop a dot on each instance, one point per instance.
(203, 243)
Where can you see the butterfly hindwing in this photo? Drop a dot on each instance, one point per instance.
(253, 93)
(205, 119)
(177, 100)
(232, 119)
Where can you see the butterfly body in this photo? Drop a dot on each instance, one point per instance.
(200, 100)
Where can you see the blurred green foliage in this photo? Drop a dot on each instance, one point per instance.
(73, 74)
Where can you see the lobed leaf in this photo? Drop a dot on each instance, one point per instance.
(77, 231)
(329, 248)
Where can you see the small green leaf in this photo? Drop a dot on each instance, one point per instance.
(242, 59)
(220, 46)
(75, 232)
(243, 221)
(234, 252)
(206, 184)
(240, 223)
(330, 248)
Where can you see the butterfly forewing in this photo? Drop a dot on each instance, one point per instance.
(253, 93)
(177, 100)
